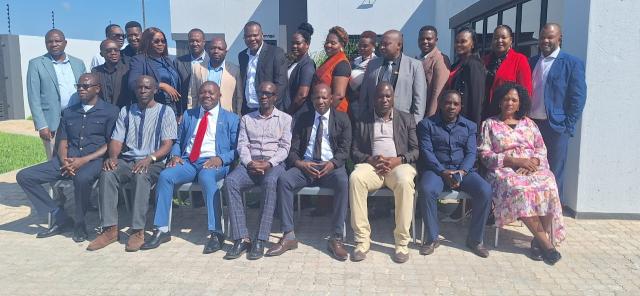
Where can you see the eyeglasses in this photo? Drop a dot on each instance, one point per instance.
(159, 41)
(108, 50)
(266, 93)
(84, 86)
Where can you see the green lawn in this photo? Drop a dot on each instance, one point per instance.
(19, 151)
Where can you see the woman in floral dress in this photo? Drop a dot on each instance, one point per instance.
(524, 188)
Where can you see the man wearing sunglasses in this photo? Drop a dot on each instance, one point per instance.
(113, 75)
(112, 32)
(85, 129)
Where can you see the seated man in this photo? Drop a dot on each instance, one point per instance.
(263, 145)
(84, 131)
(448, 152)
(319, 148)
(143, 136)
(384, 149)
(205, 149)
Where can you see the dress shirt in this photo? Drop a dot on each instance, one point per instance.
(208, 148)
(383, 143)
(86, 107)
(326, 153)
(540, 73)
(264, 138)
(291, 67)
(250, 91)
(215, 74)
(140, 138)
(447, 146)
(66, 81)
(395, 69)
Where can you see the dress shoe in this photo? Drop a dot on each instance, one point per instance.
(428, 248)
(239, 247)
(257, 250)
(55, 229)
(478, 249)
(400, 257)
(282, 246)
(108, 236)
(359, 255)
(536, 252)
(337, 250)
(79, 233)
(158, 237)
(135, 242)
(551, 256)
(216, 240)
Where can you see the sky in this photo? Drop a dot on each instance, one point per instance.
(82, 19)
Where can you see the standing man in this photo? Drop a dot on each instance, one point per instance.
(113, 75)
(320, 147)
(85, 129)
(134, 33)
(448, 148)
(559, 96)
(226, 75)
(204, 151)
(436, 66)
(143, 136)
(384, 149)
(261, 62)
(192, 68)
(51, 88)
(405, 74)
(112, 32)
(263, 144)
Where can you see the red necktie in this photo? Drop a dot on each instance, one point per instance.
(197, 143)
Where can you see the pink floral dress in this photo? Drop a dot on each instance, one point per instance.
(517, 195)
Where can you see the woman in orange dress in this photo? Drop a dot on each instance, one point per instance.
(336, 70)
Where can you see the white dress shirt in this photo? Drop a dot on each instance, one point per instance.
(250, 91)
(325, 151)
(208, 148)
(540, 73)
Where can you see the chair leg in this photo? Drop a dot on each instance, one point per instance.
(553, 240)
(298, 197)
(422, 235)
(495, 242)
(413, 221)
(344, 230)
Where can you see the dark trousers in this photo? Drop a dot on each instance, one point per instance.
(237, 181)
(294, 179)
(32, 178)
(109, 183)
(431, 185)
(557, 145)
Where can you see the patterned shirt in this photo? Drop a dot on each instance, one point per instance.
(264, 138)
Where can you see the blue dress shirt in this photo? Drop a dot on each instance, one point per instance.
(447, 146)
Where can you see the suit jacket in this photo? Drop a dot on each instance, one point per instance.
(302, 72)
(43, 94)
(231, 88)
(226, 134)
(565, 92)
(410, 91)
(436, 72)
(339, 136)
(183, 65)
(404, 136)
(272, 66)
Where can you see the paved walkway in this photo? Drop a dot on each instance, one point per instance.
(600, 257)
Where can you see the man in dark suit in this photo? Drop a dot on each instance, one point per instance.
(384, 148)
(258, 63)
(320, 145)
(192, 68)
(559, 96)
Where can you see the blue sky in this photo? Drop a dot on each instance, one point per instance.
(81, 19)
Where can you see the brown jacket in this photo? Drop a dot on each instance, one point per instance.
(437, 73)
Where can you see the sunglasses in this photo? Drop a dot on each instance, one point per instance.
(266, 93)
(159, 41)
(84, 86)
(108, 50)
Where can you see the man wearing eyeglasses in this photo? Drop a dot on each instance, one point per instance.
(84, 130)
(113, 75)
(263, 145)
(112, 32)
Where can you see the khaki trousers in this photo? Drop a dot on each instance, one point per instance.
(363, 180)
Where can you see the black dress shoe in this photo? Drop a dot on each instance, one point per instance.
(158, 237)
(478, 249)
(54, 229)
(239, 247)
(536, 252)
(551, 256)
(216, 240)
(257, 250)
(79, 233)
(429, 247)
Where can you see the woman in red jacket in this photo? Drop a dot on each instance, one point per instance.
(504, 65)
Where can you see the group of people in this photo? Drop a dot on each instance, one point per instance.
(408, 124)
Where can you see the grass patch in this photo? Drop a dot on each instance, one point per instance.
(19, 151)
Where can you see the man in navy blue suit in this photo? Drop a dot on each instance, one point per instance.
(559, 95)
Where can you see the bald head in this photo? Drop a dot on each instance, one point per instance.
(383, 102)
(554, 26)
(146, 89)
(88, 87)
(55, 43)
(55, 31)
(267, 96)
(550, 38)
(391, 44)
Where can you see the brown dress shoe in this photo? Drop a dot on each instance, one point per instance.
(429, 247)
(336, 248)
(478, 249)
(400, 257)
(358, 255)
(108, 236)
(282, 246)
(136, 240)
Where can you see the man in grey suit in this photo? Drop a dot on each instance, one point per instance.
(51, 80)
(403, 72)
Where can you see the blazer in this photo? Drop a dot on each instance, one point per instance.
(339, 136)
(303, 71)
(565, 91)
(272, 66)
(436, 72)
(183, 65)
(43, 94)
(410, 91)
(470, 81)
(404, 136)
(226, 134)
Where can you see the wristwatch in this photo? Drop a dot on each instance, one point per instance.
(153, 158)
(404, 159)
